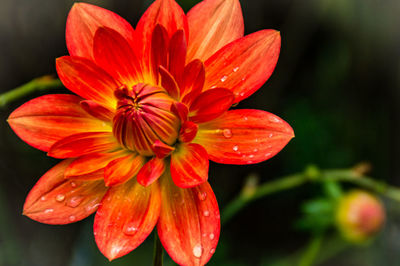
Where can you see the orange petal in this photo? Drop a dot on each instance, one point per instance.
(189, 224)
(244, 137)
(82, 23)
(189, 165)
(55, 200)
(43, 121)
(151, 171)
(194, 76)
(84, 143)
(177, 55)
(161, 150)
(212, 25)
(159, 48)
(97, 110)
(122, 169)
(126, 217)
(86, 79)
(188, 131)
(114, 54)
(244, 65)
(168, 83)
(210, 104)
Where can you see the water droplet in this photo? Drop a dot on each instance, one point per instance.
(235, 148)
(236, 69)
(202, 196)
(204, 235)
(211, 236)
(270, 135)
(48, 211)
(227, 133)
(73, 184)
(255, 150)
(257, 140)
(275, 119)
(60, 197)
(206, 213)
(245, 118)
(241, 94)
(197, 251)
(224, 78)
(267, 154)
(43, 198)
(92, 206)
(75, 201)
(72, 218)
(212, 251)
(130, 229)
(251, 156)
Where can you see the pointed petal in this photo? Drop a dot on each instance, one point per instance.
(97, 110)
(194, 77)
(189, 165)
(166, 13)
(210, 105)
(151, 171)
(177, 55)
(180, 110)
(189, 224)
(244, 137)
(84, 143)
(92, 163)
(168, 83)
(55, 200)
(126, 217)
(82, 23)
(161, 150)
(122, 169)
(159, 49)
(46, 119)
(114, 54)
(188, 131)
(244, 65)
(84, 78)
(212, 25)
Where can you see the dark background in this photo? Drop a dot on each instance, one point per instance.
(337, 83)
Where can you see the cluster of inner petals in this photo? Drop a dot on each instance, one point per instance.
(143, 118)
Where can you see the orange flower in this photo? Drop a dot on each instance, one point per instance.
(152, 109)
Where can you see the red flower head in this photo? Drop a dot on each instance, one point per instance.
(151, 111)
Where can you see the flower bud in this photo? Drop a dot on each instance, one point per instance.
(359, 216)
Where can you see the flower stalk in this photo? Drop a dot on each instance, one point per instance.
(158, 251)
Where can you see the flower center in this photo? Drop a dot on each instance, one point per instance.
(143, 116)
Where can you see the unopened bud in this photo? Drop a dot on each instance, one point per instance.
(359, 216)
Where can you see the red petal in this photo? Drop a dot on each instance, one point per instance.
(168, 83)
(151, 171)
(188, 131)
(126, 217)
(189, 223)
(161, 150)
(159, 48)
(84, 78)
(114, 54)
(166, 13)
(97, 110)
(122, 169)
(212, 25)
(180, 110)
(177, 55)
(44, 120)
(91, 163)
(189, 165)
(82, 23)
(210, 104)
(244, 136)
(55, 200)
(244, 65)
(194, 76)
(84, 143)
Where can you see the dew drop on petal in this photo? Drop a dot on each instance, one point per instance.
(267, 154)
(130, 229)
(60, 197)
(43, 198)
(255, 150)
(224, 78)
(270, 135)
(73, 184)
(204, 235)
(72, 218)
(206, 213)
(245, 118)
(75, 201)
(251, 156)
(227, 133)
(235, 148)
(211, 236)
(236, 69)
(48, 211)
(241, 94)
(212, 251)
(197, 251)
(202, 196)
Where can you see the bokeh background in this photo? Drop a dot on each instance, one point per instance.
(337, 83)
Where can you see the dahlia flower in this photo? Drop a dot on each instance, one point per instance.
(150, 111)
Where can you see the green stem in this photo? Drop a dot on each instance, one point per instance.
(310, 175)
(311, 252)
(37, 84)
(158, 251)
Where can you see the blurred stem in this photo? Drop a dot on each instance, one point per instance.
(311, 174)
(158, 251)
(37, 84)
(312, 250)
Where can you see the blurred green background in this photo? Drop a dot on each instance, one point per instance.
(337, 83)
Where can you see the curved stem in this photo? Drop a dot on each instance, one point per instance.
(37, 84)
(311, 252)
(158, 251)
